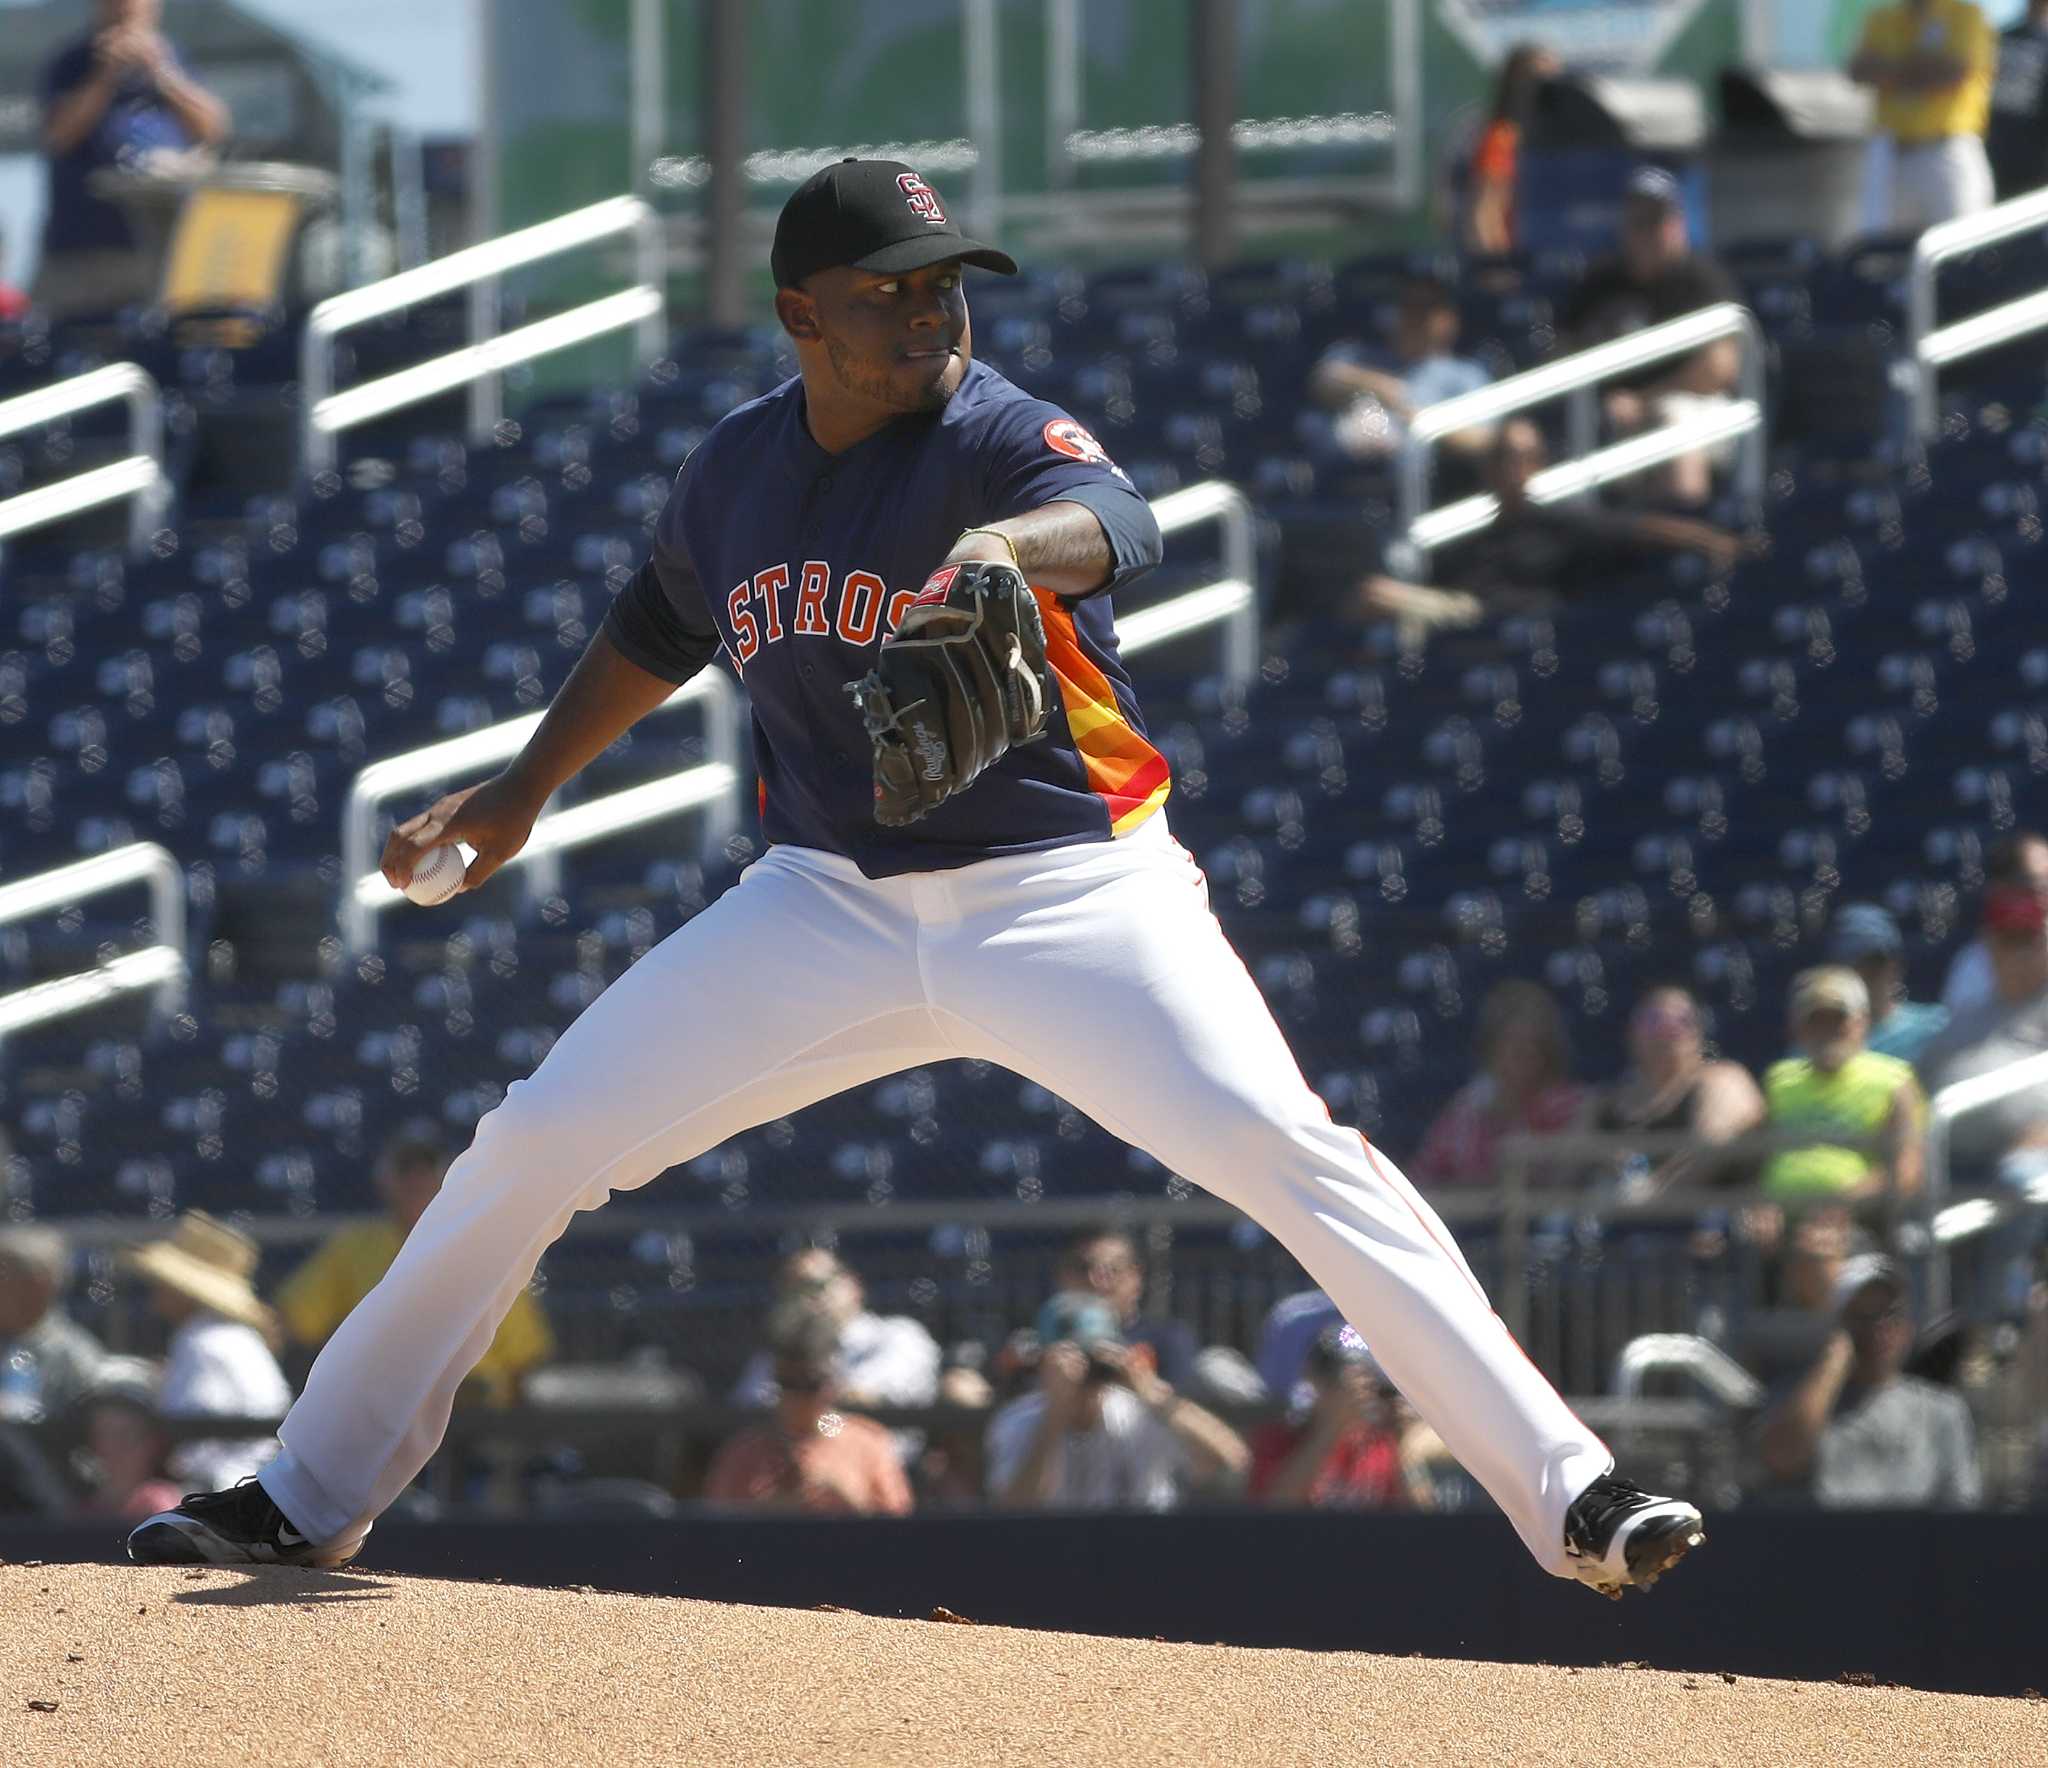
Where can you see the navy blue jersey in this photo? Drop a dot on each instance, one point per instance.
(796, 562)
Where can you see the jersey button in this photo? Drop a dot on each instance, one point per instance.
(808, 672)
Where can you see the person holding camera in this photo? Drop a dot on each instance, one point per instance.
(813, 1457)
(1102, 1431)
(1340, 1449)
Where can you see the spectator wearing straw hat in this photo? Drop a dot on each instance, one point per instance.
(220, 1362)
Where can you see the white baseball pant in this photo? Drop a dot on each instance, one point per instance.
(1096, 970)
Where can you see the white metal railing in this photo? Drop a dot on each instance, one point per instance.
(1943, 1109)
(1577, 376)
(161, 966)
(711, 787)
(1929, 349)
(1230, 602)
(326, 413)
(139, 477)
(1687, 1354)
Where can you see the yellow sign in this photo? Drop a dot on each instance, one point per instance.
(229, 250)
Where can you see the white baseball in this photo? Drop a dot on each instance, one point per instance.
(437, 877)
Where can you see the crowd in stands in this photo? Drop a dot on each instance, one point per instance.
(1102, 1402)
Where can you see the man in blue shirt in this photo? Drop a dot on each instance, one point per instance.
(1043, 918)
(113, 99)
(1867, 940)
(1376, 390)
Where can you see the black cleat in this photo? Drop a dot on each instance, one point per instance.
(240, 1526)
(1617, 1535)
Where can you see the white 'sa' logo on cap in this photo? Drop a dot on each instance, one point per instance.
(923, 200)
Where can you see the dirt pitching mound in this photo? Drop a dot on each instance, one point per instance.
(173, 1669)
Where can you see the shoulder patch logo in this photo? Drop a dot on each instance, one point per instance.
(923, 200)
(1064, 436)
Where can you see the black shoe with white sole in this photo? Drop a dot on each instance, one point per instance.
(240, 1526)
(1618, 1536)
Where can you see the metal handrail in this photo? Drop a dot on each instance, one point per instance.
(712, 787)
(139, 477)
(1706, 1362)
(1230, 602)
(643, 307)
(162, 966)
(1424, 529)
(1952, 1102)
(1929, 349)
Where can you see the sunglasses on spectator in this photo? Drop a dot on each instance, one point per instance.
(1859, 1319)
(801, 1381)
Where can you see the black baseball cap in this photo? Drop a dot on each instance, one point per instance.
(877, 215)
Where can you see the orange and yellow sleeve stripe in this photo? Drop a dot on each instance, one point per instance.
(1123, 769)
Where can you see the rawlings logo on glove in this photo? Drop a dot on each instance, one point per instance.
(957, 685)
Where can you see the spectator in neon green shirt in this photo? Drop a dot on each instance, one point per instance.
(1838, 1085)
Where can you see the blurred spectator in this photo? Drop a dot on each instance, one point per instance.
(2011, 1025)
(1855, 1430)
(1375, 390)
(1778, 1342)
(220, 1361)
(1670, 1086)
(351, 1262)
(13, 301)
(2018, 138)
(1340, 1449)
(1655, 276)
(47, 1360)
(1524, 1085)
(2020, 858)
(1836, 1086)
(127, 1448)
(882, 1360)
(1102, 1431)
(1493, 223)
(1931, 62)
(949, 1471)
(1536, 556)
(813, 1457)
(2004, 1142)
(29, 1485)
(1291, 1328)
(1864, 938)
(119, 97)
(1105, 1261)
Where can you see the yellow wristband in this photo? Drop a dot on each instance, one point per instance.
(998, 534)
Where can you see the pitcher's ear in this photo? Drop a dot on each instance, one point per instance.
(798, 313)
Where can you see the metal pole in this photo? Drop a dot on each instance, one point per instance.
(488, 165)
(1062, 89)
(1214, 59)
(981, 57)
(1919, 322)
(357, 196)
(1405, 47)
(409, 196)
(648, 74)
(1754, 464)
(725, 109)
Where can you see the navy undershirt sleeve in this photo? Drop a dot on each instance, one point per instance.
(658, 621)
